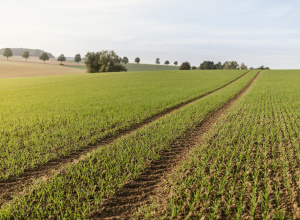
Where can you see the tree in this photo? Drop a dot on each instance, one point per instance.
(125, 60)
(157, 61)
(7, 53)
(26, 55)
(207, 65)
(219, 66)
(231, 65)
(263, 68)
(104, 61)
(185, 66)
(92, 62)
(167, 62)
(243, 66)
(175, 63)
(137, 60)
(77, 58)
(44, 57)
(61, 58)
(194, 68)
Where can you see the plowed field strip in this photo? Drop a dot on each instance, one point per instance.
(18, 184)
(138, 191)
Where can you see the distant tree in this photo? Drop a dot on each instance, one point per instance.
(7, 53)
(175, 63)
(207, 65)
(20, 51)
(231, 65)
(26, 55)
(243, 66)
(251, 68)
(125, 60)
(185, 66)
(44, 57)
(137, 60)
(167, 62)
(104, 61)
(263, 68)
(110, 62)
(77, 58)
(219, 66)
(61, 58)
(92, 62)
(157, 61)
(194, 68)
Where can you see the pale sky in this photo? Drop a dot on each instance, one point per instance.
(256, 32)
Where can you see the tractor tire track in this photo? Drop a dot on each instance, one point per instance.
(18, 185)
(138, 192)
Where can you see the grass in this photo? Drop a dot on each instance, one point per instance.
(247, 166)
(81, 188)
(133, 67)
(44, 118)
(149, 67)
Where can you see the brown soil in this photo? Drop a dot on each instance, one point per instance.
(16, 185)
(138, 192)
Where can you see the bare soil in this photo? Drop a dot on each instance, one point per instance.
(16, 69)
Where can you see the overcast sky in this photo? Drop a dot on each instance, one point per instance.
(257, 32)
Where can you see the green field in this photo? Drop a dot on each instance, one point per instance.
(244, 165)
(110, 167)
(133, 67)
(248, 165)
(85, 109)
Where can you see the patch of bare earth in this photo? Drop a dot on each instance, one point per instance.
(138, 192)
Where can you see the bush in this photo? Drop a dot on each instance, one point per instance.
(185, 66)
(105, 61)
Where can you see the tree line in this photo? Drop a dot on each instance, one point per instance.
(210, 65)
(33, 52)
(109, 61)
(7, 52)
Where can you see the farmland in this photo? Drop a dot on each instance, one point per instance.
(131, 67)
(13, 69)
(247, 166)
(85, 109)
(85, 185)
(196, 144)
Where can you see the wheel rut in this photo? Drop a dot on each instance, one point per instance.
(138, 192)
(18, 185)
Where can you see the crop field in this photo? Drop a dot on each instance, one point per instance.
(152, 145)
(133, 67)
(247, 166)
(149, 67)
(85, 109)
(84, 185)
(13, 69)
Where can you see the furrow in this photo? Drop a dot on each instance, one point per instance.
(19, 184)
(112, 209)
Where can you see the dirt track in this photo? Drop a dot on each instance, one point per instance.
(17, 185)
(138, 191)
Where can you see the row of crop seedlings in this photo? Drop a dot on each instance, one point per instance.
(34, 131)
(247, 166)
(84, 186)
